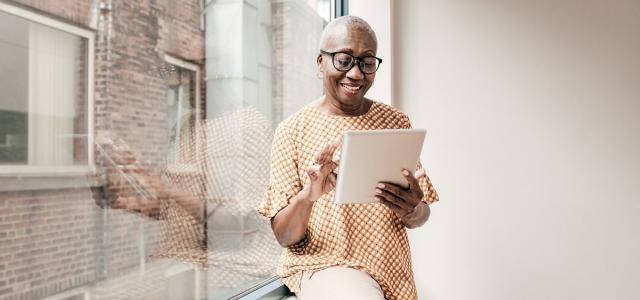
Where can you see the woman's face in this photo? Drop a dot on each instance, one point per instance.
(348, 88)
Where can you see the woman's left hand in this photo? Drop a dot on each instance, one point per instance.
(402, 201)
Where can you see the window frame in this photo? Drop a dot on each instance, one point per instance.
(269, 287)
(179, 62)
(340, 8)
(64, 170)
(273, 287)
(86, 295)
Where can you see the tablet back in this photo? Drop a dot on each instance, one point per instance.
(368, 157)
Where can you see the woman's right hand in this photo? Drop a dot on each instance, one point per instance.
(322, 178)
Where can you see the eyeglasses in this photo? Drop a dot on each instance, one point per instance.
(345, 61)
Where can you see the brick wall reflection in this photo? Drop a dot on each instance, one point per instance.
(141, 228)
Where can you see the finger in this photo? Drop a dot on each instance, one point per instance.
(393, 188)
(396, 209)
(333, 147)
(312, 173)
(322, 155)
(421, 173)
(413, 181)
(393, 199)
(328, 168)
(338, 140)
(332, 179)
(326, 154)
(314, 168)
(331, 151)
(414, 187)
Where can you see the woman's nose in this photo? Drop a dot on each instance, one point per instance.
(355, 73)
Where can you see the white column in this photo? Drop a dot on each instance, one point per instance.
(238, 56)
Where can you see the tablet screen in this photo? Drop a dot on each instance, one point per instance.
(368, 157)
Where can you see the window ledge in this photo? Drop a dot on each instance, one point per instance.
(270, 289)
(27, 178)
(45, 171)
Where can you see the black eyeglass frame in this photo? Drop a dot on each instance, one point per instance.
(356, 61)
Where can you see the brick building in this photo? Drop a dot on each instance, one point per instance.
(88, 223)
(55, 238)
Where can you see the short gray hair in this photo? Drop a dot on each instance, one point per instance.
(350, 22)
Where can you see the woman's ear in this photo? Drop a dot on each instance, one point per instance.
(319, 62)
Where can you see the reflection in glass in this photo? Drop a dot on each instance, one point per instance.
(187, 94)
(43, 101)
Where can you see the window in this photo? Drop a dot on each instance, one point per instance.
(44, 119)
(260, 69)
(177, 136)
(183, 93)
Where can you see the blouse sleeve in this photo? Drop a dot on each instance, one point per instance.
(430, 193)
(284, 182)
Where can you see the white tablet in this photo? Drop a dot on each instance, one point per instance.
(368, 157)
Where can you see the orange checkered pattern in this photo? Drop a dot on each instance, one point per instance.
(369, 237)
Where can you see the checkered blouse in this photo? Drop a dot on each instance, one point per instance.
(369, 237)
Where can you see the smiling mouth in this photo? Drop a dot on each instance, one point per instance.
(351, 88)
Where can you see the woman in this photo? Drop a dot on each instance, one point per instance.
(342, 251)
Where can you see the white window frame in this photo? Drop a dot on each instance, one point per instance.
(196, 69)
(71, 293)
(89, 167)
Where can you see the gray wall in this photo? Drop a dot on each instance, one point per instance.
(532, 109)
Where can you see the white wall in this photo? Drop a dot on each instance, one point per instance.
(533, 113)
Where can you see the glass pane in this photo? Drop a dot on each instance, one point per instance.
(181, 112)
(14, 101)
(185, 101)
(260, 70)
(43, 104)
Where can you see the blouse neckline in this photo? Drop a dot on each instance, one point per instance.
(372, 108)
